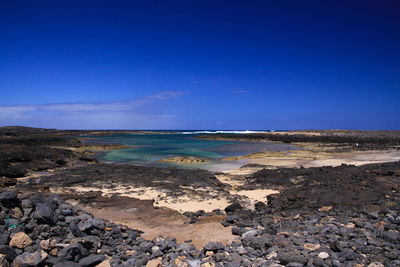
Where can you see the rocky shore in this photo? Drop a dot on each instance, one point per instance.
(322, 216)
(337, 139)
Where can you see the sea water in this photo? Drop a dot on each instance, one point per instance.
(150, 148)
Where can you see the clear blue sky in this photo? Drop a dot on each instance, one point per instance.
(200, 64)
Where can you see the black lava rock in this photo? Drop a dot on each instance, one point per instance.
(235, 206)
(72, 252)
(9, 199)
(10, 253)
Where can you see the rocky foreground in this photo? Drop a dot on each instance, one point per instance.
(297, 228)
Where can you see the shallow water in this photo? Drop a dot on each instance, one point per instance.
(150, 148)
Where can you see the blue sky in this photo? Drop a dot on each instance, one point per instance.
(200, 64)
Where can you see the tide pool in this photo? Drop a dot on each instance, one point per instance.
(150, 148)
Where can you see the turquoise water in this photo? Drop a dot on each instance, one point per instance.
(150, 148)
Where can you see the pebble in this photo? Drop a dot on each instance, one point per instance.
(323, 255)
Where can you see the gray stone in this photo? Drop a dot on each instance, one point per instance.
(250, 233)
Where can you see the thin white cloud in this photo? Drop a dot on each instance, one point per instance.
(139, 113)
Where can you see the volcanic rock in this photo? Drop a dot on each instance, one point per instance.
(20, 240)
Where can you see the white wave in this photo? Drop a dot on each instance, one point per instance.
(224, 132)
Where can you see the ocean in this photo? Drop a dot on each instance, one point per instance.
(151, 148)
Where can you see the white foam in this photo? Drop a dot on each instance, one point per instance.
(224, 132)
